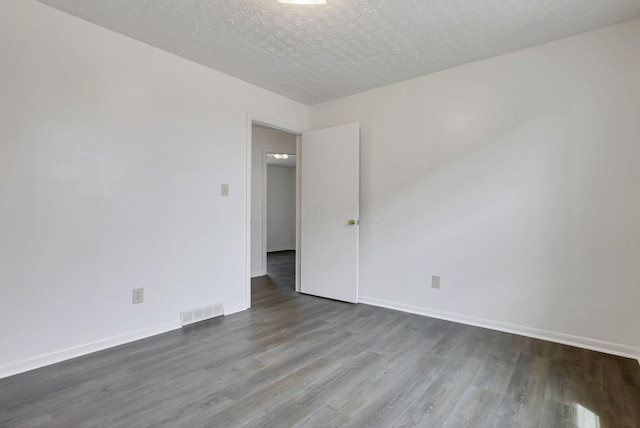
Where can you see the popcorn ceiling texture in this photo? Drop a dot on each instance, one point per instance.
(317, 53)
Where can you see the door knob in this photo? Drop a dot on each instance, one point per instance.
(352, 222)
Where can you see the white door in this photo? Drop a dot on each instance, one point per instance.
(330, 182)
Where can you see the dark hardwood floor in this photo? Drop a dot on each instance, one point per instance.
(296, 360)
(281, 268)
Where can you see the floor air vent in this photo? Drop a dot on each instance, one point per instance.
(201, 314)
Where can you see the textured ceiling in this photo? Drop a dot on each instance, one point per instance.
(318, 53)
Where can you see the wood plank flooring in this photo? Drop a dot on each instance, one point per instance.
(281, 268)
(299, 361)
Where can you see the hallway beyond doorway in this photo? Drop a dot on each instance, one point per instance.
(281, 268)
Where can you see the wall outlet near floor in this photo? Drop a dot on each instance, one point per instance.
(435, 281)
(138, 295)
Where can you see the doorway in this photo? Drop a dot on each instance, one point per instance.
(274, 196)
(327, 229)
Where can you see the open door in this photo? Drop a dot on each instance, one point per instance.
(330, 182)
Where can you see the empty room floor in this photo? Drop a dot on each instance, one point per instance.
(296, 360)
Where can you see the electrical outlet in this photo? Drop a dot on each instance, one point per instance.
(138, 295)
(435, 281)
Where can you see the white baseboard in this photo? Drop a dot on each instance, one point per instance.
(234, 309)
(259, 273)
(551, 336)
(11, 369)
(285, 248)
(26, 365)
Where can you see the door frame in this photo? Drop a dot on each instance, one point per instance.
(254, 118)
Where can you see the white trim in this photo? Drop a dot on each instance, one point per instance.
(259, 273)
(298, 208)
(273, 123)
(26, 365)
(88, 348)
(283, 248)
(234, 309)
(551, 336)
(249, 148)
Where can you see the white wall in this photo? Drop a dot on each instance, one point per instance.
(516, 179)
(281, 208)
(111, 158)
(263, 140)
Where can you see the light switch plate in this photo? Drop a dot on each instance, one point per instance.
(224, 189)
(138, 295)
(435, 281)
